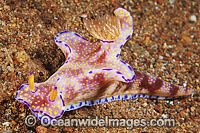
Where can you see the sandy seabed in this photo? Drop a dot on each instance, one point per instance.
(165, 43)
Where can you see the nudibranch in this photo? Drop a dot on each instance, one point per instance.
(92, 72)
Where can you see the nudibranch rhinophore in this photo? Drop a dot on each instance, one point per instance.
(93, 71)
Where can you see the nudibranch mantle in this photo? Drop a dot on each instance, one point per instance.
(92, 74)
(89, 69)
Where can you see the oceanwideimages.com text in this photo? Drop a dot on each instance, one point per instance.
(101, 122)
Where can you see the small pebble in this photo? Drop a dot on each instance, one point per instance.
(160, 57)
(145, 104)
(164, 116)
(41, 129)
(84, 15)
(185, 84)
(9, 68)
(193, 18)
(166, 54)
(165, 45)
(6, 123)
(173, 54)
(171, 1)
(192, 109)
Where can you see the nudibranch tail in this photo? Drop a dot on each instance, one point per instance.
(152, 86)
(31, 82)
